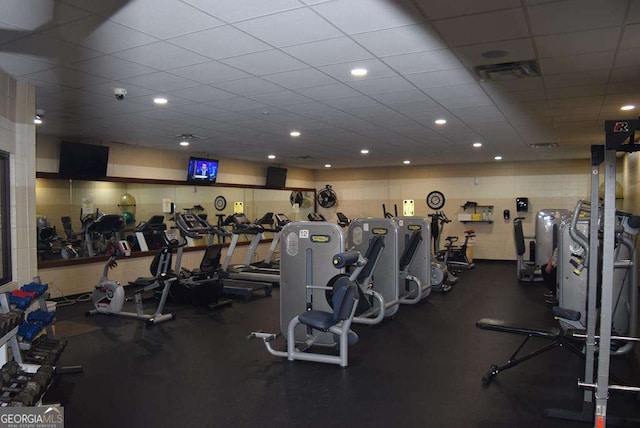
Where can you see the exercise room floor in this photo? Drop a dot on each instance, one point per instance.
(421, 369)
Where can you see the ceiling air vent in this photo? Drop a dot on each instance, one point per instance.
(187, 137)
(305, 157)
(543, 146)
(508, 70)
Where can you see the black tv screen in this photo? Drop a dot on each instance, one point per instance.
(202, 170)
(276, 177)
(84, 161)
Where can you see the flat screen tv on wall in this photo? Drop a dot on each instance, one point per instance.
(276, 177)
(83, 161)
(202, 170)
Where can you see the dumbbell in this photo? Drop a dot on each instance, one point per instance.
(12, 373)
(43, 342)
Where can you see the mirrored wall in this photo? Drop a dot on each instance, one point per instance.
(139, 202)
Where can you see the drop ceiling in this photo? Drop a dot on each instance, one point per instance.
(241, 74)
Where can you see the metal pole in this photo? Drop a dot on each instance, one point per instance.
(606, 298)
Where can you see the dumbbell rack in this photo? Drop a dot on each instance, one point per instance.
(42, 303)
(11, 338)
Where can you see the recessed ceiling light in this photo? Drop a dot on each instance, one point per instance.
(359, 72)
(294, 133)
(271, 156)
(327, 165)
(364, 151)
(628, 107)
(498, 157)
(184, 143)
(37, 120)
(440, 121)
(406, 162)
(160, 100)
(477, 144)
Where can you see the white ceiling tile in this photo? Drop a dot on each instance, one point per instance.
(111, 67)
(623, 74)
(65, 76)
(551, 18)
(9, 32)
(357, 102)
(239, 10)
(516, 50)
(44, 48)
(209, 72)
(420, 62)
(631, 37)
(238, 104)
(411, 96)
(27, 15)
(161, 56)
(409, 108)
(161, 82)
(628, 58)
(103, 36)
(281, 98)
(438, 9)
(577, 63)
(576, 91)
(581, 42)
(452, 103)
(483, 27)
(327, 92)
(290, 28)
(594, 77)
(633, 15)
(381, 85)
(458, 91)
(342, 73)
(220, 42)
(201, 94)
(618, 100)
(267, 62)
(359, 16)
(249, 86)
(163, 18)
(436, 79)
(81, 97)
(400, 40)
(325, 52)
(300, 78)
(622, 87)
(17, 65)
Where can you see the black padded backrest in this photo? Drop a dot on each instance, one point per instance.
(410, 250)
(376, 245)
(343, 299)
(161, 263)
(211, 259)
(518, 235)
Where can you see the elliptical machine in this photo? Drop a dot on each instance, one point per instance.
(441, 276)
(109, 295)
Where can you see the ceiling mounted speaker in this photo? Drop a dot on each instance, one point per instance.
(327, 198)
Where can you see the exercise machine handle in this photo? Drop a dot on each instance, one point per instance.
(345, 259)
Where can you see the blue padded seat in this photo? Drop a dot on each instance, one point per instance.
(342, 299)
(319, 320)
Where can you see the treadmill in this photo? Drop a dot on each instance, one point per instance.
(245, 272)
(194, 226)
(276, 223)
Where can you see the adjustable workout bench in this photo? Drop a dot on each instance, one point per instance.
(555, 335)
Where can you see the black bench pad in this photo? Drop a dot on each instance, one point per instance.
(503, 326)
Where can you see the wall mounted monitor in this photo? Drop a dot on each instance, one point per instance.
(83, 161)
(276, 177)
(202, 170)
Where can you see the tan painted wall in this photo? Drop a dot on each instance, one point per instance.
(547, 184)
